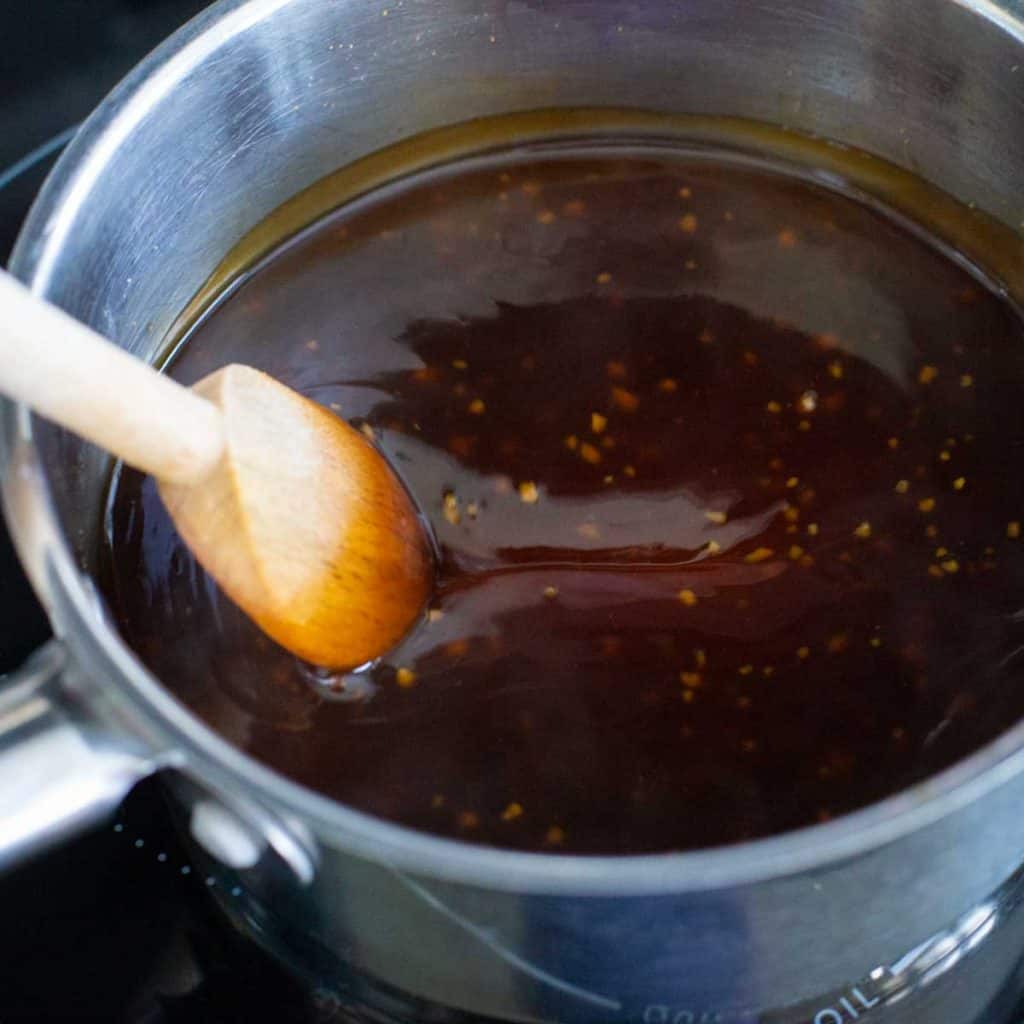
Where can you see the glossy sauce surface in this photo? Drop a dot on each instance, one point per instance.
(723, 467)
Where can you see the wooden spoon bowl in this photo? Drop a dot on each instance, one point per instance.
(297, 517)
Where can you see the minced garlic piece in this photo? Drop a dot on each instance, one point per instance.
(528, 492)
(450, 505)
(625, 400)
(512, 812)
(688, 223)
(838, 643)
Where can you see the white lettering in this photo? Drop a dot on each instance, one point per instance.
(865, 1003)
(854, 1003)
(657, 1013)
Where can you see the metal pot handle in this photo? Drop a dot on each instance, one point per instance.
(56, 777)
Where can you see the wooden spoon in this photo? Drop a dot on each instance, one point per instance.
(289, 509)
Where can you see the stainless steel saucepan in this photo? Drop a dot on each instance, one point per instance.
(859, 919)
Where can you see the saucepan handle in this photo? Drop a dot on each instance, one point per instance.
(58, 772)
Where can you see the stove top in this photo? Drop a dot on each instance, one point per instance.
(119, 925)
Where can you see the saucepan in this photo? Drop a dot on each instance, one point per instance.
(860, 918)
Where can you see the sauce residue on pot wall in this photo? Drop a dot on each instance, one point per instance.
(720, 463)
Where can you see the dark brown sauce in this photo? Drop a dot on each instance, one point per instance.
(724, 470)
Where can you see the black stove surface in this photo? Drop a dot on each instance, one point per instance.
(116, 926)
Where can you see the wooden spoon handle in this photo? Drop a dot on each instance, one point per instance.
(73, 376)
